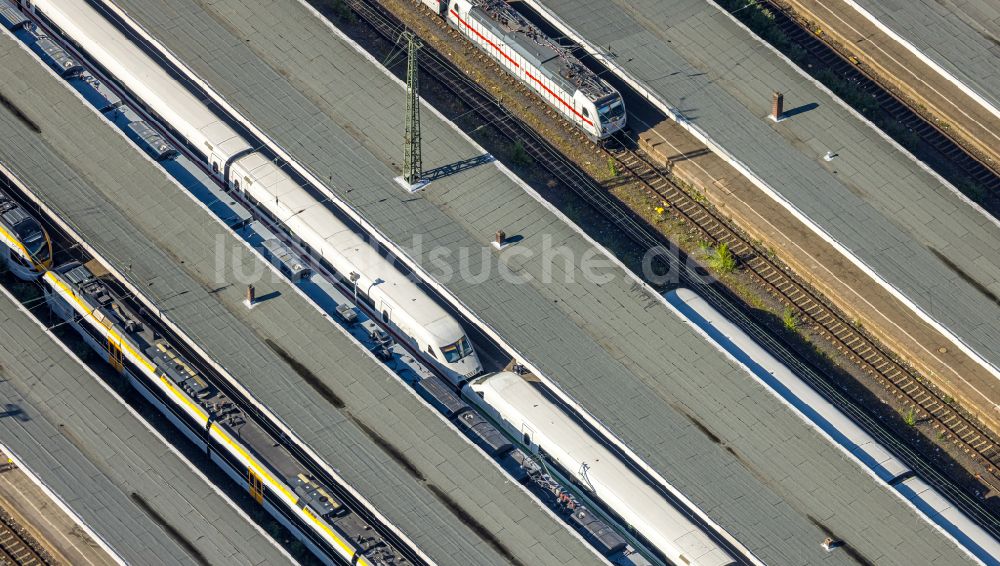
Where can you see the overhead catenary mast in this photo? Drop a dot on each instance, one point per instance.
(412, 162)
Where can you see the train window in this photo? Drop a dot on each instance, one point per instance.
(17, 258)
(215, 167)
(527, 438)
(385, 316)
(586, 112)
(612, 110)
(457, 351)
(431, 352)
(236, 185)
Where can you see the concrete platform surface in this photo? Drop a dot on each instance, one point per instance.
(616, 349)
(86, 446)
(196, 272)
(908, 72)
(871, 200)
(57, 531)
(962, 36)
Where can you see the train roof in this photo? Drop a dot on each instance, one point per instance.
(170, 362)
(541, 50)
(96, 92)
(10, 17)
(294, 206)
(521, 403)
(85, 445)
(17, 220)
(55, 56)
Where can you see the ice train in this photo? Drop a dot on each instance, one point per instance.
(547, 68)
(401, 303)
(541, 425)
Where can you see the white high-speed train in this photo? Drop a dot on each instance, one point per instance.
(813, 407)
(541, 425)
(547, 68)
(27, 250)
(401, 304)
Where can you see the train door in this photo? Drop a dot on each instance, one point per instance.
(255, 486)
(528, 437)
(216, 162)
(115, 355)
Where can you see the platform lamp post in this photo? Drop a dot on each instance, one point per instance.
(412, 161)
(354, 279)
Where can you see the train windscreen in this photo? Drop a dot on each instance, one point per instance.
(457, 351)
(611, 110)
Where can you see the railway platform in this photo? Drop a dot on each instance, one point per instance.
(823, 266)
(962, 37)
(144, 503)
(423, 476)
(940, 37)
(613, 346)
(908, 241)
(55, 530)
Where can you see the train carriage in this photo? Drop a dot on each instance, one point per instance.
(542, 426)
(546, 67)
(27, 249)
(831, 421)
(199, 410)
(402, 305)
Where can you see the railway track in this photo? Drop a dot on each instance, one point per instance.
(17, 547)
(950, 149)
(903, 382)
(69, 250)
(893, 375)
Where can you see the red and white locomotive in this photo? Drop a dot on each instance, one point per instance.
(546, 67)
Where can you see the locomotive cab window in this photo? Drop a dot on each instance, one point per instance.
(611, 110)
(457, 351)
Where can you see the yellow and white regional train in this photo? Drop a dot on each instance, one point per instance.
(27, 250)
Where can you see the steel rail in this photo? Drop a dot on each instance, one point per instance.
(873, 358)
(903, 381)
(15, 547)
(351, 501)
(950, 146)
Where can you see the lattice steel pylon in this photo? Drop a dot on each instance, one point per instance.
(412, 161)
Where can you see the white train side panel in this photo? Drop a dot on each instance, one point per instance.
(525, 412)
(574, 106)
(566, 103)
(146, 79)
(400, 302)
